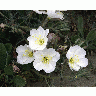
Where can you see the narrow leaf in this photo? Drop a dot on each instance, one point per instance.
(80, 25)
(2, 56)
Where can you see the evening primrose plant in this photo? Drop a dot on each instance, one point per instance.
(44, 48)
(44, 58)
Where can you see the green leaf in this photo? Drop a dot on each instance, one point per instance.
(91, 36)
(80, 25)
(2, 56)
(8, 59)
(91, 47)
(8, 70)
(94, 42)
(8, 47)
(74, 38)
(19, 81)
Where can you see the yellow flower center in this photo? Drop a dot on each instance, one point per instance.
(39, 40)
(46, 59)
(30, 54)
(73, 60)
(59, 13)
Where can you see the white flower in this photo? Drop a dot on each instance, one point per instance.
(25, 54)
(40, 12)
(46, 59)
(38, 39)
(76, 56)
(52, 13)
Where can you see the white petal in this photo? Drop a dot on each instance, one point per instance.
(56, 57)
(83, 62)
(69, 54)
(50, 12)
(75, 67)
(46, 32)
(30, 59)
(40, 29)
(51, 52)
(49, 68)
(80, 52)
(53, 63)
(71, 51)
(38, 54)
(21, 48)
(33, 32)
(24, 59)
(74, 48)
(38, 66)
(59, 15)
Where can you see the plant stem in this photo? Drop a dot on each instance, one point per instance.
(55, 77)
(44, 22)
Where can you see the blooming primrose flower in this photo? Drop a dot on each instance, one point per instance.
(76, 56)
(25, 54)
(46, 59)
(51, 13)
(38, 39)
(54, 14)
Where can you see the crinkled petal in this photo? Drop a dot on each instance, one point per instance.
(75, 67)
(21, 48)
(83, 62)
(38, 65)
(40, 29)
(80, 53)
(74, 48)
(49, 67)
(56, 57)
(33, 32)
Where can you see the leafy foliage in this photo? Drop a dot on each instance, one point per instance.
(17, 26)
(91, 35)
(80, 25)
(8, 70)
(2, 56)
(19, 81)
(8, 47)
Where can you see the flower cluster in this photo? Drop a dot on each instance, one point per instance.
(46, 58)
(36, 51)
